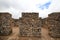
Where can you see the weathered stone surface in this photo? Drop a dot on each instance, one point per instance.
(5, 24)
(53, 24)
(30, 25)
(16, 22)
(30, 15)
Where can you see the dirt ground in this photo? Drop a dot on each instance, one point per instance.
(44, 33)
(15, 34)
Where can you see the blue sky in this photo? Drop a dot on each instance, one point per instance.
(16, 7)
(45, 5)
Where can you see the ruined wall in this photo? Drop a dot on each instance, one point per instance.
(5, 24)
(16, 22)
(53, 24)
(30, 25)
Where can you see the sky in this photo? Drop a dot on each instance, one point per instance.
(16, 7)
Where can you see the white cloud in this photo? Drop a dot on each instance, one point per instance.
(5, 4)
(18, 6)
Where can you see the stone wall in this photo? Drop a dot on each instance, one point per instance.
(30, 15)
(16, 22)
(5, 24)
(52, 22)
(30, 25)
